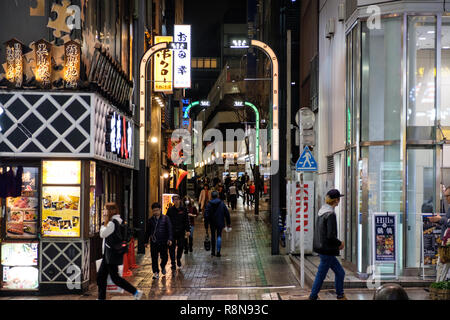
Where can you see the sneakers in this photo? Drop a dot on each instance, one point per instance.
(342, 298)
(190, 249)
(163, 271)
(179, 263)
(156, 276)
(218, 255)
(138, 295)
(213, 254)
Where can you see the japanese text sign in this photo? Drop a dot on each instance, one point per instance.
(182, 56)
(163, 73)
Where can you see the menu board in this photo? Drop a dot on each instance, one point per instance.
(20, 278)
(22, 212)
(19, 254)
(431, 240)
(384, 238)
(61, 211)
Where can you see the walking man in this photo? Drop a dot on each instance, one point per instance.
(327, 245)
(216, 213)
(180, 223)
(159, 233)
(233, 196)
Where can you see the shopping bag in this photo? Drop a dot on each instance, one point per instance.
(110, 286)
(207, 243)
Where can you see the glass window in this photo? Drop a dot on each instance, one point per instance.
(214, 63)
(381, 81)
(421, 196)
(421, 74)
(445, 72)
(207, 63)
(194, 63)
(200, 63)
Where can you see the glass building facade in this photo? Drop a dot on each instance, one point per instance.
(398, 123)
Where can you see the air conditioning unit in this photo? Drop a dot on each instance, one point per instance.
(341, 12)
(330, 28)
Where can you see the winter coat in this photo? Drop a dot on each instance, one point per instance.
(215, 214)
(163, 232)
(179, 219)
(325, 233)
(192, 210)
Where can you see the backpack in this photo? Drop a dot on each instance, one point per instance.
(122, 238)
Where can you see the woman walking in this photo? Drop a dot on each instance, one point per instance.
(112, 236)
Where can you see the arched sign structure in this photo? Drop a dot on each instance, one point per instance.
(143, 94)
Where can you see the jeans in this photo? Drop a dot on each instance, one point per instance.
(113, 271)
(327, 263)
(178, 242)
(215, 230)
(161, 250)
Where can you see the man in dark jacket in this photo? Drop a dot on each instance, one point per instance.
(180, 223)
(216, 213)
(327, 245)
(159, 233)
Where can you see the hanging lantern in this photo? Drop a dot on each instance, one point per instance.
(14, 62)
(43, 52)
(72, 58)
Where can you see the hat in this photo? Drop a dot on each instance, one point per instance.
(334, 194)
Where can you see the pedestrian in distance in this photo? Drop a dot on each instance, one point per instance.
(216, 213)
(442, 269)
(180, 225)
(192, 214)
(205, 197)
(251, 191)
(159, 234)
(233, 196)
(112, 233)
(327, 245)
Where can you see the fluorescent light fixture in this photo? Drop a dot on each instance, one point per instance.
(422, 38)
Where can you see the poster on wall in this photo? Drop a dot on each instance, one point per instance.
(431, 240)
(384, 240)
(20, 278)
(166, 202)
(61, 211)
(19, 254)
(22, 212)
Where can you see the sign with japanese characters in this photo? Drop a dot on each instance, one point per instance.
(182, 56)
(185, 121)
(384, 237)
(163, 72)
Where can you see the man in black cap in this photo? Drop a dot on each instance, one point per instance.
(327, 245)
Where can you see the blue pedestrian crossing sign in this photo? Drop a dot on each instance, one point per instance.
(306, 162)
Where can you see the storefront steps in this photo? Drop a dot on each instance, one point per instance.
(351, 278)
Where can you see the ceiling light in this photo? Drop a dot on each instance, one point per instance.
(422, 38)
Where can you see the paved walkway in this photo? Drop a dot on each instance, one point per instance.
(246, 270)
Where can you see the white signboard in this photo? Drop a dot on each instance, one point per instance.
(294, 217)
(182, 57)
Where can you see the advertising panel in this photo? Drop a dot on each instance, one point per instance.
(22, 213)
(20, 278)
(431, 240)
(61, 172)
(18, 261)
(61, 211)
(308, 215)
(166, 202)
(384, 240)
(163, 67)
(182, 56)
(19, 254)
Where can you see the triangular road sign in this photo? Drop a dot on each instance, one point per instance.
(306, 162)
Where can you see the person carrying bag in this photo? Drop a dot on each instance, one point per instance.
(114, 247)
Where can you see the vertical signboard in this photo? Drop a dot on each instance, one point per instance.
(162, 71)
(384, 237)
(431, 240)
(185, 120)
(308, 214)
(182, 56)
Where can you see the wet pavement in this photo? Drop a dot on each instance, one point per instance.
(245, 271)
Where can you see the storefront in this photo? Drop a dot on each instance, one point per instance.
(396, 158)
(66, 154)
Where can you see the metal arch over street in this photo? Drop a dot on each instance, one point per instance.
(275, 97)
(143, 94)
(251, 105)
